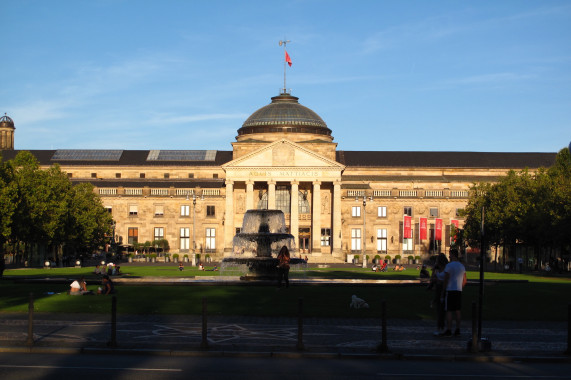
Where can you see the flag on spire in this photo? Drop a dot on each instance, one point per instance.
(287, 58)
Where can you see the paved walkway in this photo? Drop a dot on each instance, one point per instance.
(248, 335)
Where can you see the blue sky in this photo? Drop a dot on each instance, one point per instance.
(384, 75)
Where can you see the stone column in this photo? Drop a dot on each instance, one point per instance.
(336, 230)
(294, 213)
(316, 219)
(229, 218)
(271, 195)
(249, 195)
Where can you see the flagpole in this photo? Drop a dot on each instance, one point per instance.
(284, 43)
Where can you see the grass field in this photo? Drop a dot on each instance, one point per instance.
(540, 298)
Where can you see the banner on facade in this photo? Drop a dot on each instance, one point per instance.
(407, 227)
(423, 228)
(438, 229)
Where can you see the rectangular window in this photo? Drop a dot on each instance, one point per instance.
(382, 211)
(355, 239)
(407, 243)
(159, 233)
(117, 175)
(210, 211)
(133, 210)
(184, 238)
(190, 175)
(210, 239)
(407, 211)
(141, 175)
(356, 211)
(238, 230)
(214, 175)
(133, 235)
(166, 175)
(434, 212)
(382, 240)
(159, 210)
(325, 237)
(459, 212)
(69, 175)
(109, 209)
(185, 210)
(93, 175)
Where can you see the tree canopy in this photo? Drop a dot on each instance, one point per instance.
(41, 207)
(533, 209)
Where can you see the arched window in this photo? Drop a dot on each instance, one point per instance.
(283, 200)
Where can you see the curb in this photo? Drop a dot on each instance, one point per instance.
(481, 358)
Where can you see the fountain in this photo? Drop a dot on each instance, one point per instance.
(256, 247)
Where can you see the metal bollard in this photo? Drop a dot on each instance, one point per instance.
(300, 346)
(31, 320)
(113, 341)
(474, 345)
(204, 343)
(568, 352)
(383, 347)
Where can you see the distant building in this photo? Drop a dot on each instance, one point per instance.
(337, 203)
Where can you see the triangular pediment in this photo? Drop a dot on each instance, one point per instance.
(283, 154)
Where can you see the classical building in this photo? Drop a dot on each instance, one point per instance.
(337, 203)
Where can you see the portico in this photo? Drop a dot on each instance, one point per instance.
(286, 176)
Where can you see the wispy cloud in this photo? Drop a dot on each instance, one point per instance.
(495, 78)
(196, 118)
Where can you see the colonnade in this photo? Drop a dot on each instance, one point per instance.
(316, 212)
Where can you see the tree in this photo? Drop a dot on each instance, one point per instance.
(523, 208)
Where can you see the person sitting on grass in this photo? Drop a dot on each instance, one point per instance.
(78, 288)
(180, 266)
(108, 287)
(200, 266)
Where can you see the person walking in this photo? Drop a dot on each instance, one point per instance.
(283, 267)
(454, 282)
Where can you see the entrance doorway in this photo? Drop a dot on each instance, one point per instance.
(304, 240)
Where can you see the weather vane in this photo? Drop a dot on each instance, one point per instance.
(286, 60)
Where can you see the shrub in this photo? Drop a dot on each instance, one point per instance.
(398, 257)
(388, 257)
(175, 257)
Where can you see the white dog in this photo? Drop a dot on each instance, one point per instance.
(358, 303)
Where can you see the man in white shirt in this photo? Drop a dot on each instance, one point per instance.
(454, 282)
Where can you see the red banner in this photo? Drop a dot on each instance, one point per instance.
(438, 229)
(453, 222)
(407, 227)
(423, 223)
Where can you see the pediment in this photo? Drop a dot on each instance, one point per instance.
(283, 154)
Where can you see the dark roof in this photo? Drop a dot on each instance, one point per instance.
(127, 158)
(446, 159)
(349, 158)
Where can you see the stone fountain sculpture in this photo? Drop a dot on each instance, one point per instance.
(262, 236)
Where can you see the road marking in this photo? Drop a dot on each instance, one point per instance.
(99, 368)
(470, 376)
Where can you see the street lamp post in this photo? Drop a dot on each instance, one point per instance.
(364, 252)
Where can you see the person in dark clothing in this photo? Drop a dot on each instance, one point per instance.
(437, 283)
(283, 267)
(108, 287)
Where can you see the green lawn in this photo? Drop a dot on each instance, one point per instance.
(541, 298)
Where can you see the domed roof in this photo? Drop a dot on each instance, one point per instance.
(284, 114)
(6, 122)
